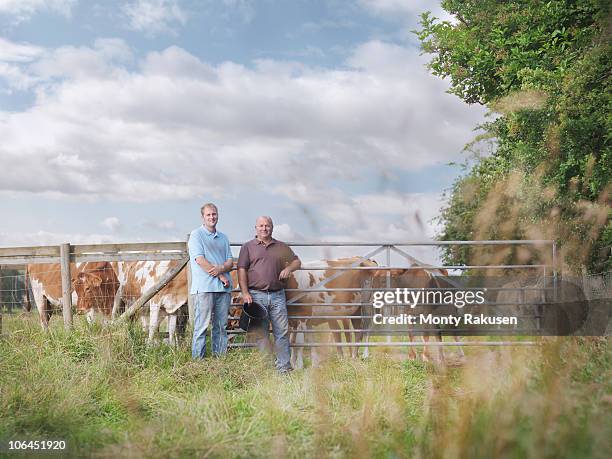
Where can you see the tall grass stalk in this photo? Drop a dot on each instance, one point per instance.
(108, 394)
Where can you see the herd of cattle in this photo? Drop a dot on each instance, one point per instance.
(106, 289)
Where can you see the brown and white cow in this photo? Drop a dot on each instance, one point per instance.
(171, 301)
(305, 279)
(417, 277)
(93, 284)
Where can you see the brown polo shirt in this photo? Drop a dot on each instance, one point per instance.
(265, 262)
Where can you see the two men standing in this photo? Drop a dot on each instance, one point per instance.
(264, 265)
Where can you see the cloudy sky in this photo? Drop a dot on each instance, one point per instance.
(118, 119)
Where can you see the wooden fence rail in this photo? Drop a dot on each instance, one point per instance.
(65, 254)
(150, 251)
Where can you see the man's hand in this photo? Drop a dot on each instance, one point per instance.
(214, 270)
(224, 280)
(243, 281)
(284, 274)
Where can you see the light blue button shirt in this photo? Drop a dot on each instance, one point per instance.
(216, 249)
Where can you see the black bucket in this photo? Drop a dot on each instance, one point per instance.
(253, 316)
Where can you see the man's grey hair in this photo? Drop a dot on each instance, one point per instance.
(208, 205)
(265, 217)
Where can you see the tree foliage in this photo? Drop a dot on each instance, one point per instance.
(544, 68)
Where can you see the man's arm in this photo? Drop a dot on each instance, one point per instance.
(215, 270)
(243, 280)
(294, 265)
(227, 266)
(205, 264)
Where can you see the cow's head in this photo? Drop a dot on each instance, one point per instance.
(88, 287)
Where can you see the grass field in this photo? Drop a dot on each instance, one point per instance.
(109, 395)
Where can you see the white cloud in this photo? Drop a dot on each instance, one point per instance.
(18, 52)
(394, 217)
(376, 216)
(284, 232)
(50, 238)
(23, 10)
(112, 223)
(176, 127)
(154, 16)
(12, 57)
(101, 61)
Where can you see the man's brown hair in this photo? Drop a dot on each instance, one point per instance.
(209, 205)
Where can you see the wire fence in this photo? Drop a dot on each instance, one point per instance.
(15, 289)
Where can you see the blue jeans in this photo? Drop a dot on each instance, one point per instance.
(275, 304)
(205, 305)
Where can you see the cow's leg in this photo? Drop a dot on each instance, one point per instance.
(144, 320)
(338, 335)
(182, 320)
(44, 312)
(51, 305)
(358, 335)
(153, 321)
(460, 353)
(297, 356)
(412, 354)
(364, 338)
(41, 305)
(172, 318)
(317, 355)
(437, 353)
(117, 302)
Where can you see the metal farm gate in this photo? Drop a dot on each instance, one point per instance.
(386, 250)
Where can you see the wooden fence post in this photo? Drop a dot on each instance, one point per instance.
(1, 305)
(189, 300)
(66, 285)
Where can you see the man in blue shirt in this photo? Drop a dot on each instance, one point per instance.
(210, 257)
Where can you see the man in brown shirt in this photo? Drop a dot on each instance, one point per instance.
(264, 265)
